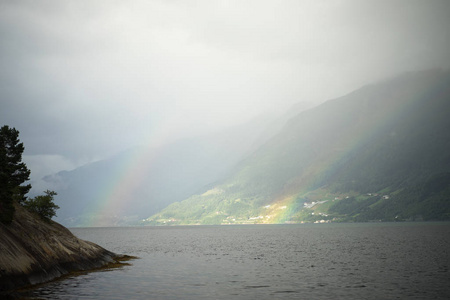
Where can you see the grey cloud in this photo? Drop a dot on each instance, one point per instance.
(84, 79)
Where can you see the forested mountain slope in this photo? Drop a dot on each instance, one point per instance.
(126, 188)
(368, 151)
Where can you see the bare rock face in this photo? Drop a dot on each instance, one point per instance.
(33, 251)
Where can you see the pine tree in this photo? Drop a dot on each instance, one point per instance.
(13, 173)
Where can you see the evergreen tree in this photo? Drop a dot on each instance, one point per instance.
(13, 173)
(43, 205)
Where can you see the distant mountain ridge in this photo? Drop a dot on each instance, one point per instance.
(370, 149)
(97, 194)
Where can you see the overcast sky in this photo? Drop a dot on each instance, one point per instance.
(81, 80)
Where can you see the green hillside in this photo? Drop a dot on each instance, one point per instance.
(157, 176)
(379, 153)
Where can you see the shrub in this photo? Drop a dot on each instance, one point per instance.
(43, 205)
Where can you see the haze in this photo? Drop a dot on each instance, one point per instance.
(82, 80)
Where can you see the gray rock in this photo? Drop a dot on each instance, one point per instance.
(33, 251)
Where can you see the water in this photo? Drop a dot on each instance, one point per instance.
(315, 261)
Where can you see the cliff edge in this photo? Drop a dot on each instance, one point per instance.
(33, 251)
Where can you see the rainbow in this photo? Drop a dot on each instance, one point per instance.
(329, 163)
(112, 198)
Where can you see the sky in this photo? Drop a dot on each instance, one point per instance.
(83, 80)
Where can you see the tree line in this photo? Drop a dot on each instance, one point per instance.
(14, 175)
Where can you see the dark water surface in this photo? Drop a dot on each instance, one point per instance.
(315, 261)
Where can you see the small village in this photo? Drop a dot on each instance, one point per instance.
(311, 212)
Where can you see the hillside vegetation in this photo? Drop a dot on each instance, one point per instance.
(378, 153)
(126, 188)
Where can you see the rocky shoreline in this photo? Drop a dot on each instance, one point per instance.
(33, 251)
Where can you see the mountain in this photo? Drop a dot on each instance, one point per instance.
(378, 153)
(126, 188)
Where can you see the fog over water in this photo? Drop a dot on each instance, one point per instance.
(82, 80)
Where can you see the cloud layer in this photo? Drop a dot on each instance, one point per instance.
(83, 79)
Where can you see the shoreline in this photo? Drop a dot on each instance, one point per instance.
(33, 252)
(25, 292)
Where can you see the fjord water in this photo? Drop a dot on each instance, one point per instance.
(311, 261)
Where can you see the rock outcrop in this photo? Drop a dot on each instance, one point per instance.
(33, 251)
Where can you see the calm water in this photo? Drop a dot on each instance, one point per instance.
(316, 261)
